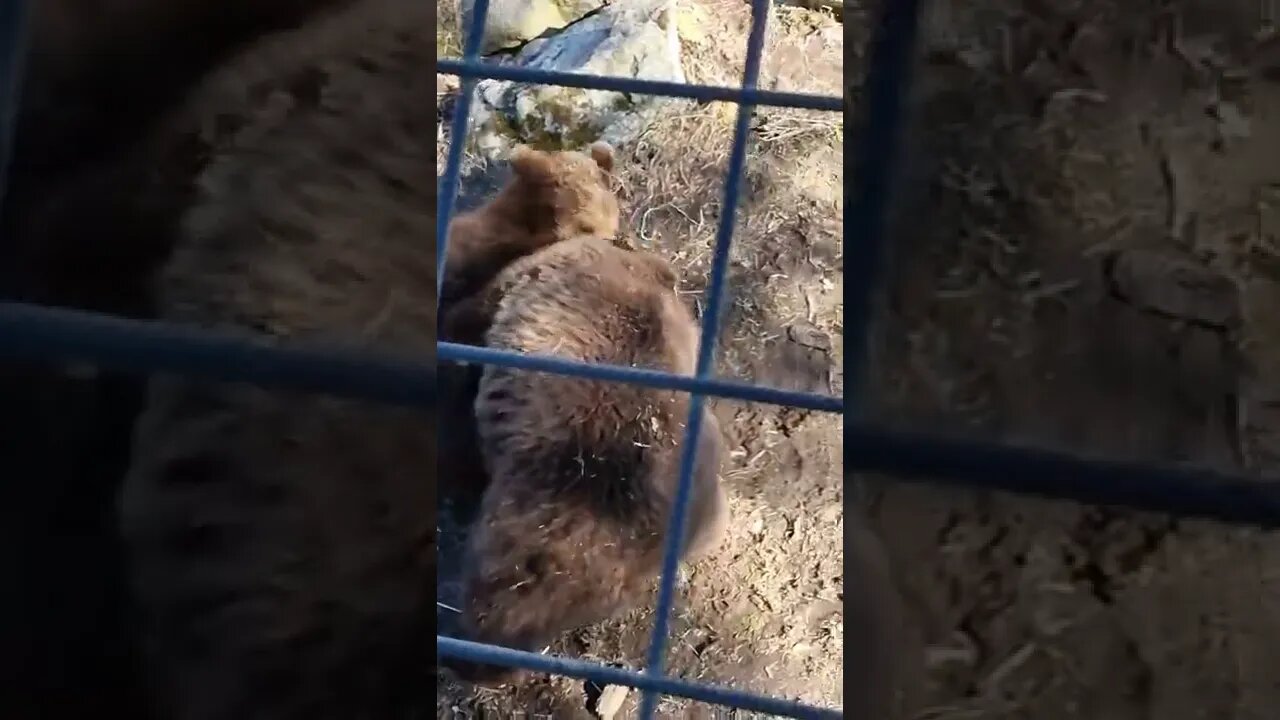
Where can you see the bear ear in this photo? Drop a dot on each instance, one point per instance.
(530, 164)
(602, 153)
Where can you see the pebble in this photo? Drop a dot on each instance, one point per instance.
(611, 701)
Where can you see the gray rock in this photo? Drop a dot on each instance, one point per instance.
(514, 22)
(636, 39)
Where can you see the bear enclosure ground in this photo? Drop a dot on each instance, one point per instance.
(1086, 256)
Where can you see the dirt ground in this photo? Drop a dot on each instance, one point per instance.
(1086, 255)
(1098, 271)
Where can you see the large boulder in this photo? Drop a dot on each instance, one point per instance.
(636, 39)
(514, 22)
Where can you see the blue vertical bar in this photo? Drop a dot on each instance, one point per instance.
(706, 356)
(458, 140)
(888, 75)
(13, 35)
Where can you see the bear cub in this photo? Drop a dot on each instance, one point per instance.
(551, 196)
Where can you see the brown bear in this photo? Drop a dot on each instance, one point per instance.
(582, 474)
(552, 196)
(98, 74)
(282, 547)
(555, 196)
(99, 78)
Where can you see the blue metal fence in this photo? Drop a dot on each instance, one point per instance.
(29, 332)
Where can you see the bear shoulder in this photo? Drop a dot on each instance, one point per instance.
(590, 300)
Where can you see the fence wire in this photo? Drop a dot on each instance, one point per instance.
(37, 333)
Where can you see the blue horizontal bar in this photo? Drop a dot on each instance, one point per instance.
(453, 352)
(38, 333)
(1193, 492)
(704, 93)
(42, 333)
(605, 675)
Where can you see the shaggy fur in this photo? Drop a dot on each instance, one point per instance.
(105, 150)
(100, 71)
(582, 474)
(282, 546)
(552, 196)
(100, 76)
(78, 230)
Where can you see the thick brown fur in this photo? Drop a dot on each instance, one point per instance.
(77, 230)
(101, 75)
(582, 473)
(101, 165)
(99, 72)
(552, 196)
(282, 547)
